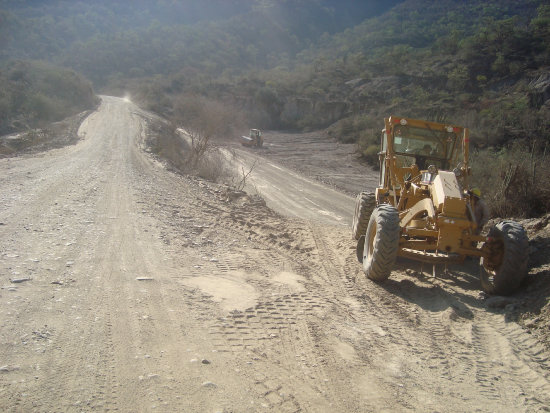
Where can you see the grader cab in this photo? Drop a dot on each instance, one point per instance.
(422, 209)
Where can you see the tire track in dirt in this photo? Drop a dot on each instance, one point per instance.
(60, 364)
(230, 333)
(67, 367)
(509, 369)
(295, 257)
(151, 369)
(271, 327)
(362, 322)
(98, 388)
(270, 330)
(437, 339)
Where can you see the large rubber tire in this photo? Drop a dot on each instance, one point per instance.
(502, 272)
(381, 242)
(364, 205)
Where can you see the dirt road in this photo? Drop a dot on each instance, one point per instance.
(290, 193)
(127, 287)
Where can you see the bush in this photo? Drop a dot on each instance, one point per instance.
(214, 167)
(371, 155)
(191, 149)
(165, 141)
(34, 93)
(357, 128)
(515, 181)
(41, 107)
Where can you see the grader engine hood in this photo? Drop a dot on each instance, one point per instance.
(451, 207)
(447, 196)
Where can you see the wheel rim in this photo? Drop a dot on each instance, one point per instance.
(494, 258)
(493, 261)
(369, 244)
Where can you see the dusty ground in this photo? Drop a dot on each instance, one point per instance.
(129, 287)
(56, 135)
(319, 157)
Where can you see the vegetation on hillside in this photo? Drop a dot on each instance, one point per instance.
(112, 41)
(307, 64)
(478, 70)
(35, 93)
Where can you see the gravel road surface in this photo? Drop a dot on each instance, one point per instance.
(127, 287)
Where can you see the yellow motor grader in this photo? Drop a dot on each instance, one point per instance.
(255, 139)
(422, 209)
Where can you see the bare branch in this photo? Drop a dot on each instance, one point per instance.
(240, 186)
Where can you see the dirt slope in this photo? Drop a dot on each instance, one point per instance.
(128, 287)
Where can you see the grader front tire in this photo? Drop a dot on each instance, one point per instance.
(381, 242)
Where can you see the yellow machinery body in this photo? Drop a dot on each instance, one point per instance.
(255, 139)
(423, 209)
(436, 218)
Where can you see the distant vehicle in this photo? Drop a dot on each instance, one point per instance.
(422, 209)
(254, 140)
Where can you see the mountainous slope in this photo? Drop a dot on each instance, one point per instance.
(33, 94)
(309, 64)
(103, 39)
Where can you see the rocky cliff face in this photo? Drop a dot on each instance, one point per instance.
(294, 112)
(322, 113)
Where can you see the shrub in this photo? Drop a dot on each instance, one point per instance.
(371, 155)
(214, 167)
(41, 107)
(34, 93)
(515, 180)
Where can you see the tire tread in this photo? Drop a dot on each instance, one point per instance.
(386, 243)
(365, 203)
(513, 269)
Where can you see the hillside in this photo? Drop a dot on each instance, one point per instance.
(33, 94)
(121, 40)
(304, 63)
(315, 64)
(142, 42)
(484, 65)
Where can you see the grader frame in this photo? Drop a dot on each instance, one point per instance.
(422, 209)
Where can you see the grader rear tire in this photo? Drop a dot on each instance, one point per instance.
(381, 242)
(364, 205)
(502, 272)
